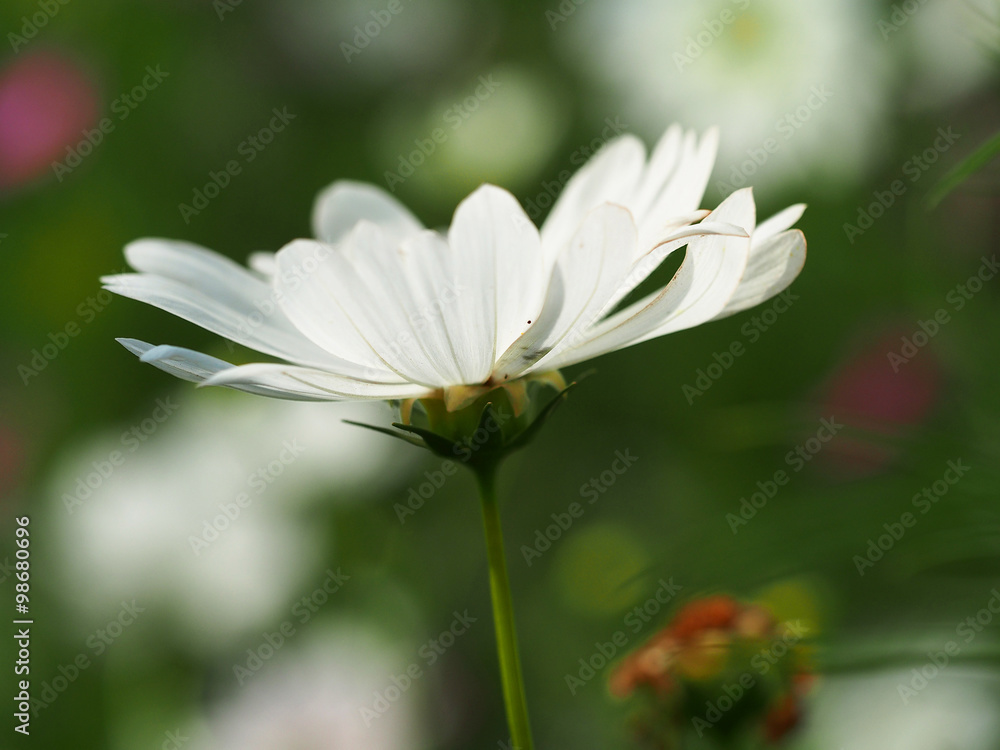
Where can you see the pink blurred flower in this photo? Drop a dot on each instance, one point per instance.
(11, 459)
(876, 402)
(46, 102)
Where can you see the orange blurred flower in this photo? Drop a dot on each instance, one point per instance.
(719, 665)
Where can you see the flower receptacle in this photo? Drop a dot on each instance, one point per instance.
(479, 426)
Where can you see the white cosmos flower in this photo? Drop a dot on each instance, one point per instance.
(381, 308)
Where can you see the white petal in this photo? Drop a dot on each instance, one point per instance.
(287, 378)
(773, 266)
(662, 195)
(434, 294)
(219, 295)
(498, 260)
(611, 176)
(680, 221)
(676, 239)
(207, 312)
(594, 264)
(353, 300)
(701, 288)
(683, 191)
(778, 223)
(197, 367)
(662, 162)
(192, 265)
(343, 204)
(306, 297)
(263, 262)
(416, 296)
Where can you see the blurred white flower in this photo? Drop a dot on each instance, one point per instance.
(353, 43)
(200, 518)
(940, 39)
(957, 709)
(984, 24)
(496, 128)
(807, 78)
(311, 699)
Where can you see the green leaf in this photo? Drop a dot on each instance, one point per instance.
(965, 169)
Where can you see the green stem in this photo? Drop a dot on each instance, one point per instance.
(503, 615)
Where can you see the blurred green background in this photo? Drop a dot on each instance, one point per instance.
(858, 109)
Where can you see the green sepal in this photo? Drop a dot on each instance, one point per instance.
(386, 431)
(484, 432)
(436, 444)
(532, 432)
